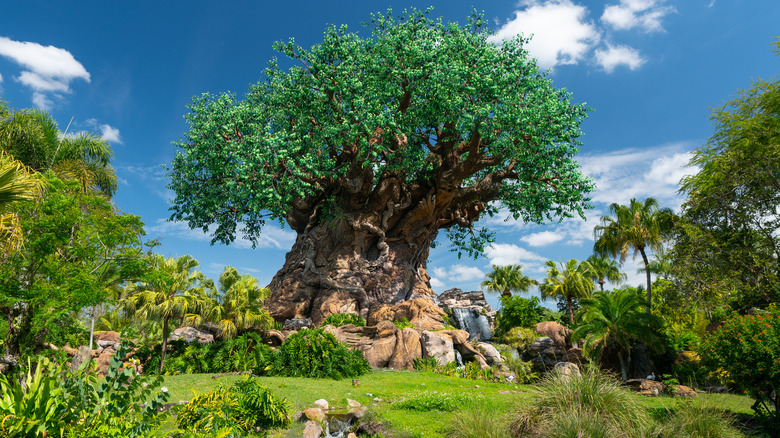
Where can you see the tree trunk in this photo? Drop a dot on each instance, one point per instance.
(647, 272)
(164, 344)
(570, 307)
(349, 266)
(623, 366)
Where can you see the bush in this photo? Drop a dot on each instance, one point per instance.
(748, 348)
(403, 323)
(339, 319)
(520, 337)
(316, 353)
(518, 312)
(592, 404)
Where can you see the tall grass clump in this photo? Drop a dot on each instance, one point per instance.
(479, 420)
(695, 421)
(590, 405)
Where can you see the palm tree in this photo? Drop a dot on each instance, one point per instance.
(612, 320)
(507, 279)
(605, 269)
(572, 281)
(237, 304)
(17, 183)
(659, 265)
(174, 289)
(33, 137)
(640, 226)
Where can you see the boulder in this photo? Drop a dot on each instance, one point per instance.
(645, 387)
(457, 298)
(108, 336)
(383, 345)
(422, 312)
(104, 360)
(544, 353)
(558, 333)
(461, 344)
(103, 344)
(297, 324)
(566, 369)
(322, 404)
(684, 391)
(274, 338)
(312, 429)
(191, 334)
(438, 347)
(83, 354)
(492, 355)
(315, 414)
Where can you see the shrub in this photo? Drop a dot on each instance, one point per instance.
(692, 421)
(316, 353)
(478, 420)
(518, 312)
(432, 401)
(403, 323)
(339, 319)
(523, 370)
(520, 337)
(34, 407)
(591, 404)
(748, 348)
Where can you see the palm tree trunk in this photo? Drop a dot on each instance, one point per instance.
(623, 366)
(647, 272)
(164, 344)
(570, 306)
(601, 284)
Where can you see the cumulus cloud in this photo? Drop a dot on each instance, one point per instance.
(270, 237)
(561, 33)
(502, 254)
(542, 238)
(457, 273)
(48, 70)
(617, 55)
(642, 14)
(107, 132)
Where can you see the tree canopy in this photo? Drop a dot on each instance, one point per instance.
(425, 122)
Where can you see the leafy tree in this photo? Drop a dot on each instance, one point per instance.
(614, 320)
(518, 312)
(33, 137)
(732, 238)
(605, 269)
(640, 226)
(70, 236)
(370, 145)
(507, 279)
(572, 281)
(237, 304)
(17, 183)
(172, 289)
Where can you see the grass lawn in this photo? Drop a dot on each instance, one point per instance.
(394, 386)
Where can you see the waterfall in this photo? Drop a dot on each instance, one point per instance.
(471, 320)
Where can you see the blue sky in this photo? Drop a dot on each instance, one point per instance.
(649, 69)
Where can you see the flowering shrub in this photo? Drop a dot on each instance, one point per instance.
(748, 349)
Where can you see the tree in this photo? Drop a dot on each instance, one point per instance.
(370, 146)
(507, 279)
(33, 137)
(605, 269)
(572, 281)
(640, 226)
(614, 320)
(172, 290)
(69, 237)
(236, 304)
(731, 237)
(17, 183)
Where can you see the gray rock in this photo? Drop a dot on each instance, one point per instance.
(191, 334)
(83, 354)
(312, 429)
(297, 324)
(566, 369)
(492, 356)
(437, 347)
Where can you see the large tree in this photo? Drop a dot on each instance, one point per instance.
(641, 226)
(507, 279)
(572, 282)
(605, 269)
(368, 146)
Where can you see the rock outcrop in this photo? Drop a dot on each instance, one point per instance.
(558, 333)
(191, 334)
(469, 311)
(423, 313)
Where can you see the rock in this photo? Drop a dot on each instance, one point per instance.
(492, 355)
(83, 354)
(645, 387)
(353, 404)
(108, 336)
(422, 312)
(468, 311)
(312, 429)
(104, 360)
(471, 320)
(440, 348)
(274, 338)
(684, 391)
(297, 324)
(457, 298)
(70, 351)
(566, 369)
(315, 414)
(559, 334)
(191, 334)
(382, 345)
(108, 344)
(371, 428)
(359, 412)
(322, 404)
(352, 435)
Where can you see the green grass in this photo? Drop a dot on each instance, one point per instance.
(396, 386)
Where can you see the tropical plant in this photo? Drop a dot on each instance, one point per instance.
(507, 279)
(640, 226)
(339, 319)
(315, 353)
(172, 290)
(236, 304)
(572, 281)
(32, 407)
(614, 321)
(520, 338)
(605, 270)
(478, 419)
(33, 137)
(517, 312)
(17, 183)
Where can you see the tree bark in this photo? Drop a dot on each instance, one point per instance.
(570, 307)
(164, 347)
(623, 366)
(647, 272)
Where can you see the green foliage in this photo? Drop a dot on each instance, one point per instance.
(591, 404)
(471, 370)
(478, 419)
(315, 353)
(339, 319)
(426, 401)
(507, 279)
(524, 371)
(571, 282)
(748, 349)
(517, 312)
(695, 421)
(245, 407)
(33, 409)
(414, 101)
(520, 337)
(403, 323)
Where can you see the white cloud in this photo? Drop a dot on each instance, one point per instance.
(109, 133)
(542, 238)
(457, 273)
(561, 34)
(617, 55)
(48, 70)
(270, 237)
(502, 254)
(642, 14)
(437, 284)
